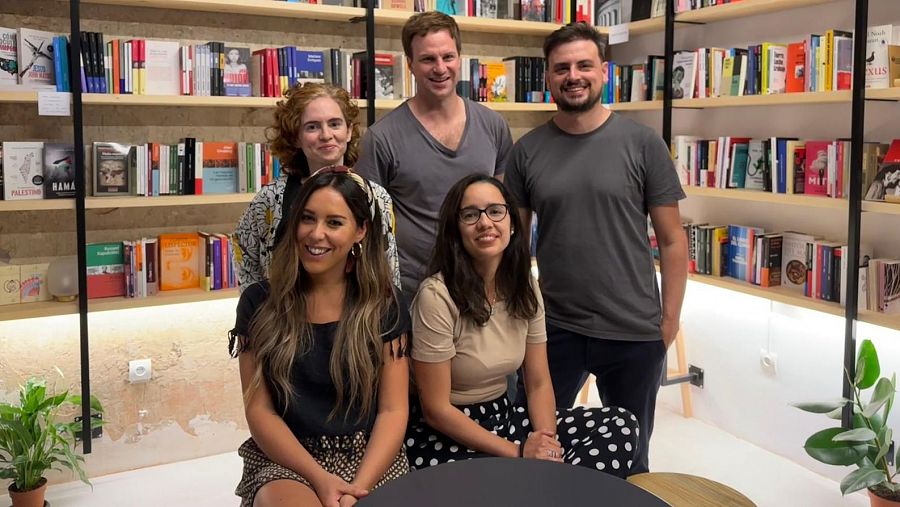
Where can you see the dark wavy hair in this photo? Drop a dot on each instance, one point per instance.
(280, 329)
(466, 287)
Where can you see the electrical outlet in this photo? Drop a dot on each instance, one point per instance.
(140, 370)
(768, 361)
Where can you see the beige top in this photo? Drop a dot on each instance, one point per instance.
(480, 356)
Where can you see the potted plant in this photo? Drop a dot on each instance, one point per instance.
(867, 445)
(33, 440)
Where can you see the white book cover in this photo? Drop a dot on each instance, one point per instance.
(877, 62)
(163, 68)
(33, 283)
(755, 179)
(9, 58)
(777, 69)
(35, 67)
(23, 170)
(793, 260)
(683, 65)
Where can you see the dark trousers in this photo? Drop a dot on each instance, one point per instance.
(628, 376)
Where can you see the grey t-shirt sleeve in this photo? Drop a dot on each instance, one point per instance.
(661, 185)
(374, 161)
(504, 147)
(515, 176)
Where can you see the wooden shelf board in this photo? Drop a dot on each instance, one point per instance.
(743, 9)
(164, 298)
(647, 105)
(767, 197)
(884, 93)
(645, 26)
(14, 97)
(37, 205)
(35, 310)
(885, 208)
(880, 319)
(165, 200)
(472, 24)
(781, 99)
(251, 7)
(176, 100)
(777, 294)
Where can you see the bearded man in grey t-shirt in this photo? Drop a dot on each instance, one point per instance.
(419, 150)
(592, 177)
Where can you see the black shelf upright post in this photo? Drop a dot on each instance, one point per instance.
(667, 72)
(370, 62)
(80, 223)
(857, 132)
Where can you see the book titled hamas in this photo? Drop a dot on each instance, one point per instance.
(59, 171)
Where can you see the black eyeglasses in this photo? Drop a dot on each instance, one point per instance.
(471, 215)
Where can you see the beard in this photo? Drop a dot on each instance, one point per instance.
(576, 107)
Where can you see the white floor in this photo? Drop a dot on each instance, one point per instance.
(679, 445)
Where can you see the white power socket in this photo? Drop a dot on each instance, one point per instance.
(139, 371)
(768, 361)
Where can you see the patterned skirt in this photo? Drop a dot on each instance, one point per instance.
(338, 455)
(604, 439)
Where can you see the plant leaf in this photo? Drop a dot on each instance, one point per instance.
(867, 366)
(862, 478)
(884, 436)
(821, 446)
(856, 435)
(884, 390)
(822, 407)
(836, 414)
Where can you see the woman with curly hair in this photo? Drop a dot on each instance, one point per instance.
(322, 350)
(315, 126)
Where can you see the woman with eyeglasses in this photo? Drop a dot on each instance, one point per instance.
(315, 126)
(322, 350)
(477, 318)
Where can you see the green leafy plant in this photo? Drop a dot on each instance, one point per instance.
(33, 440)
(867, 444)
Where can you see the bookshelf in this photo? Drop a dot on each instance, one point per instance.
(251, 7)
(54, 308)
(23, 311)
(165, 200)
(781, 99)
(742, 9)
(37, 205)
(808, 201)
(884, 208)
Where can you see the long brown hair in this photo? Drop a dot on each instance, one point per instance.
(465, 285)
(283, 135)
(281, 330)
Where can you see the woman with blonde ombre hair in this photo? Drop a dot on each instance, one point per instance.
(322, 349)
(315, 126)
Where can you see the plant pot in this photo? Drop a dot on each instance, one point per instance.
(31, 498)
(880, 501)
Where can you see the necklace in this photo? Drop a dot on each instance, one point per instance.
(492, 302)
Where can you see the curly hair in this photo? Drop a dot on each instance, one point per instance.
(283, 135)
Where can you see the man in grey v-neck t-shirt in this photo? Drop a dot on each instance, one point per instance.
(416, 169)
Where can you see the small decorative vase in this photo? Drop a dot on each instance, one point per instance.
(30, 498)
(62, 278)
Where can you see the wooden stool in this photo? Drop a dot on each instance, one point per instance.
(683, 490)
(681, 358)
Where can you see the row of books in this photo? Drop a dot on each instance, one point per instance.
(38, 170)
(144, 267)
(797, 261)
(189, 167)
(800, 262)
(779, 165)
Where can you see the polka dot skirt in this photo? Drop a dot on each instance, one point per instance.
(604, 439)
(339, 455)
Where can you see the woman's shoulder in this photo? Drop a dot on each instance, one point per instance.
(253, 297)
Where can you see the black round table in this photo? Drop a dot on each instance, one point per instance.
(495, 482)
